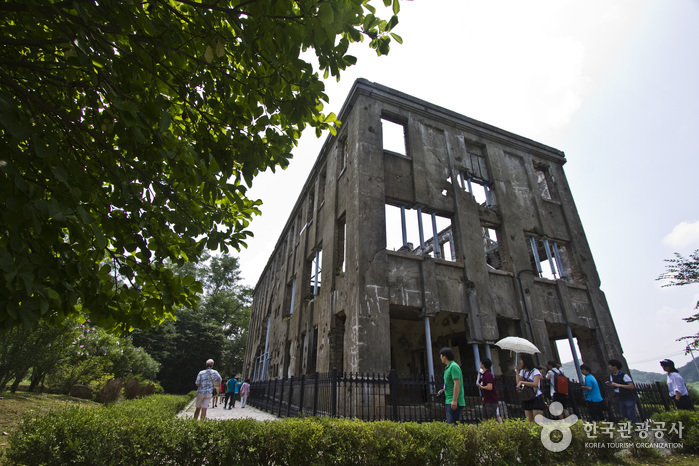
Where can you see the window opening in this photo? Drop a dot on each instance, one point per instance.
(478, 188)
(316, 273)
(546, 258)
(341, 155)
(312, 351)
(475, 178)
(492, 248)
(321, 188)
(545, 183)
(341, 245)
(292, 290)
(420, 233)
(289, 262)
(311, 206)
(298, 223)
(393, 136)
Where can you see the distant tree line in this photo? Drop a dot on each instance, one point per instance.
(60, 356)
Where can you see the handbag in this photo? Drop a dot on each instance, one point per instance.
(526, 393)
(214, 391)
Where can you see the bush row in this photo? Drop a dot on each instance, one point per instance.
(690, 429)
(145, 431)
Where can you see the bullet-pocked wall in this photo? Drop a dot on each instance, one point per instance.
(419, 228)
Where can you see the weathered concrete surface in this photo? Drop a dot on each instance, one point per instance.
(381, 294)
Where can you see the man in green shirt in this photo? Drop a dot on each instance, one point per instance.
(453, 386)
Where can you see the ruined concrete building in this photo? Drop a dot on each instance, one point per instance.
(419, 228)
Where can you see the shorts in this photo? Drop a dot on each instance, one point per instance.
(202, 400)
(490, 410)
(537, 404)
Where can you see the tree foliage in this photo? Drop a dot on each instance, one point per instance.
(130, 131)
(216, 329)
(684, 271)
(68, 354)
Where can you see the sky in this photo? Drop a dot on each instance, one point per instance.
(612, 83)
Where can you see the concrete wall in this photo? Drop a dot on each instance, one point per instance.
(370, 312)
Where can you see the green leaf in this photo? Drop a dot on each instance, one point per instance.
(119, 145)
(325, 13)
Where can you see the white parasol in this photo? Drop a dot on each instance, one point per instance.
(518, 345)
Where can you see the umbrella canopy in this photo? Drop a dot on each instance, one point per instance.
(518, 345)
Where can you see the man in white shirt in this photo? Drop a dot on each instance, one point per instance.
(206, 381)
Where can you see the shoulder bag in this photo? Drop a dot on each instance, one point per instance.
(214, 392)
(526, 393)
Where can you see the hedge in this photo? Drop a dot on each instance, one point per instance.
(145, 431)
(690, 426)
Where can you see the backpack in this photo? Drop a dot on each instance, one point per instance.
(560, 382)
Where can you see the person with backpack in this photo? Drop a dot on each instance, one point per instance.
(624, 388)
(559, 386)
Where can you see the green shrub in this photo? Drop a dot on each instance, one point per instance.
(693, 395)
(123, 433)
(98, 384)
(131, 389)
(146, 431)
(110, 392)
(690, 429)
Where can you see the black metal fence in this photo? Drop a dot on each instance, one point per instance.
(374, 397)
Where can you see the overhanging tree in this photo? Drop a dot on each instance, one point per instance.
(130, 130)
(684, 271)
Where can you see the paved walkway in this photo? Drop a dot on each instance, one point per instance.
(236, 413)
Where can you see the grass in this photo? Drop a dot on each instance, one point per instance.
(15, 405)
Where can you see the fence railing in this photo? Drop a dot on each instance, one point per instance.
(375, 397)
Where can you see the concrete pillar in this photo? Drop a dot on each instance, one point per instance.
(428, 345)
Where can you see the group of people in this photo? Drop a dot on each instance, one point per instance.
(228, 391)
(624, 388)
(454, 392)
(528, 375)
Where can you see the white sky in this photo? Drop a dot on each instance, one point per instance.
(612, 83)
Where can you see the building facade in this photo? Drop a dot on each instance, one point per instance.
(419, 228)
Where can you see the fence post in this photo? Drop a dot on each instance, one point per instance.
(291, 392)
(281, 397)
(303, 391)
(333, 403)
(572, 396)
(315, 394)
(393, 387)
(662, 392)
(269, 403)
